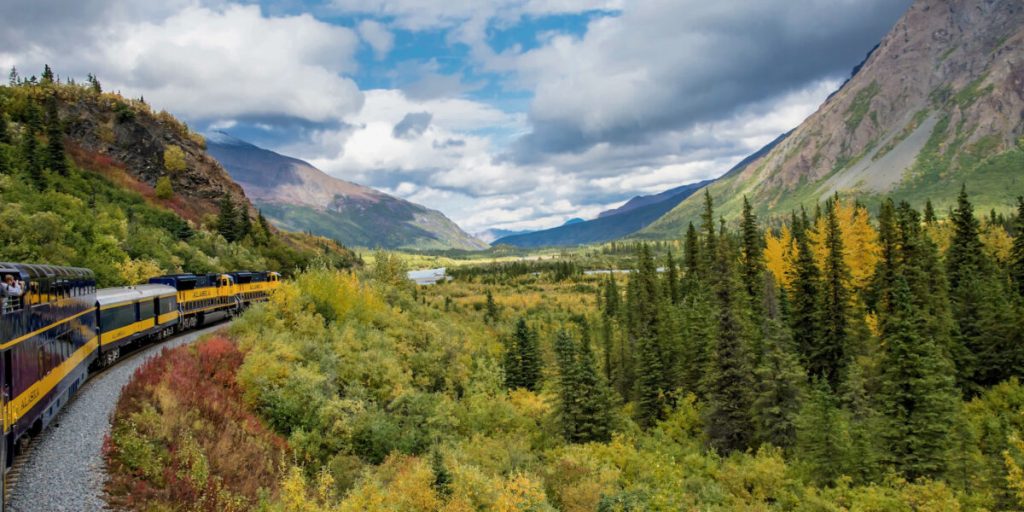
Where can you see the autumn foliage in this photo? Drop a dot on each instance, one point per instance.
(183, 440)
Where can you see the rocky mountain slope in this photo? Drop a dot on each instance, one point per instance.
(610, 225)
(294, 195)
(940, 102)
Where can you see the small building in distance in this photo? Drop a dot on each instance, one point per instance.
(429, 276)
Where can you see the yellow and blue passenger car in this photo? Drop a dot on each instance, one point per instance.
(58, 327)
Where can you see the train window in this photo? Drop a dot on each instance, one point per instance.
(117, 317)
(146, 310)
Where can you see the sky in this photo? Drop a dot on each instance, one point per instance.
(511, 114)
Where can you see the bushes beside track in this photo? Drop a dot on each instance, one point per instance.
(182, 439)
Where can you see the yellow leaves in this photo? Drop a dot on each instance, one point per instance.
(138, 271)
(174, 159)
(401, 483)
(521, 494)
(779, 255)
(996, 241)
(861, 250)
(1015, 474)
(529, 403)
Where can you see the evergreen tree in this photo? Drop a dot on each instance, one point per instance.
(442, 477)
(30, 157)
(227, 219)
(94, 84)
(522, 359)
(707, 218)
(609, 317)
(918, 394)
(1017, 253)
(644, 298)
(491, 311)
(5, 136)
(828, 355)
(728, 382)
(244, 222)
(929, 212)
(583, 402)
(778, 377)
(55, 158)
(697, 329)
(987, 346)
(691, 248)
(752, 253)
(671, 280)
(805, 302)
(822, 434)
(47, 75)
(13, 79)
(863, 423)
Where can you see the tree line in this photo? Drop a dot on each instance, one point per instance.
(850, 343)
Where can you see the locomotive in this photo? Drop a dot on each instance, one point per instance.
(59, 327)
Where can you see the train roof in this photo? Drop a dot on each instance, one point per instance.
(109, 296)
(35, 271)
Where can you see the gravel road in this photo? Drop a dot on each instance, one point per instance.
(64, 470)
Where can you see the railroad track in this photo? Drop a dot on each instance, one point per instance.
(74, 441)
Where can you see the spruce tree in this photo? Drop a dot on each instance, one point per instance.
(752, 253)
(828, 355)
(778, 377)
(918, 394)
(987, 346)
(609, 317)
(1017, 253)
(707, 219)
(584, 406)
(728, 382)
(822, 434)
(227, 219)
(244, 222)
(491, 308)
(805, 302)
(30, 156)
(671, 280)
(48, 77)
(522, 359)
(5, 136)
(55, 158)
(691, 249)
(929, 212)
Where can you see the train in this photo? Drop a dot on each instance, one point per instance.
(58, 328)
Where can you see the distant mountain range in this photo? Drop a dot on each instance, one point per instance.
(939, 103)
(296, 196)
(623, 221)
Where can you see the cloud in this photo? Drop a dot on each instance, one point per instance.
(670, 64)
(377, 36)
(432, 15)
(209, 63)
(412, 125)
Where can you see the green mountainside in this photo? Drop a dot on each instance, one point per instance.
(92, 179)
(296, 196)
(938, 104)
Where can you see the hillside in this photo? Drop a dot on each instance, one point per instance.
(937, 104)
(296, 196)
(92, 179)
(636, 214)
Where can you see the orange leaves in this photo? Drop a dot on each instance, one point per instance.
(181, 436)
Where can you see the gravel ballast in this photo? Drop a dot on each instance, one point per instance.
(64, 469)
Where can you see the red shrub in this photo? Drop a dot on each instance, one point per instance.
(209, 452)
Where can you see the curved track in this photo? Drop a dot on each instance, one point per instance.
(63, 470)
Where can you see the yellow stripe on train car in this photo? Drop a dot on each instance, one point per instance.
(28, 399)
(199, 294)
(167, 317)
(20, 339)
(121, 333)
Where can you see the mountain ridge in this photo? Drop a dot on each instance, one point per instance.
(295, 195)
(938, 103)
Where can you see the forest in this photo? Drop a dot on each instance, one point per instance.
(837, 360)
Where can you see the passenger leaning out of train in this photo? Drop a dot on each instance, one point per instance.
(11, 292)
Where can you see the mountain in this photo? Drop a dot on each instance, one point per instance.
(493, 234)
(937, 104)
(603, 229)
(93, 179)
(294, 195)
